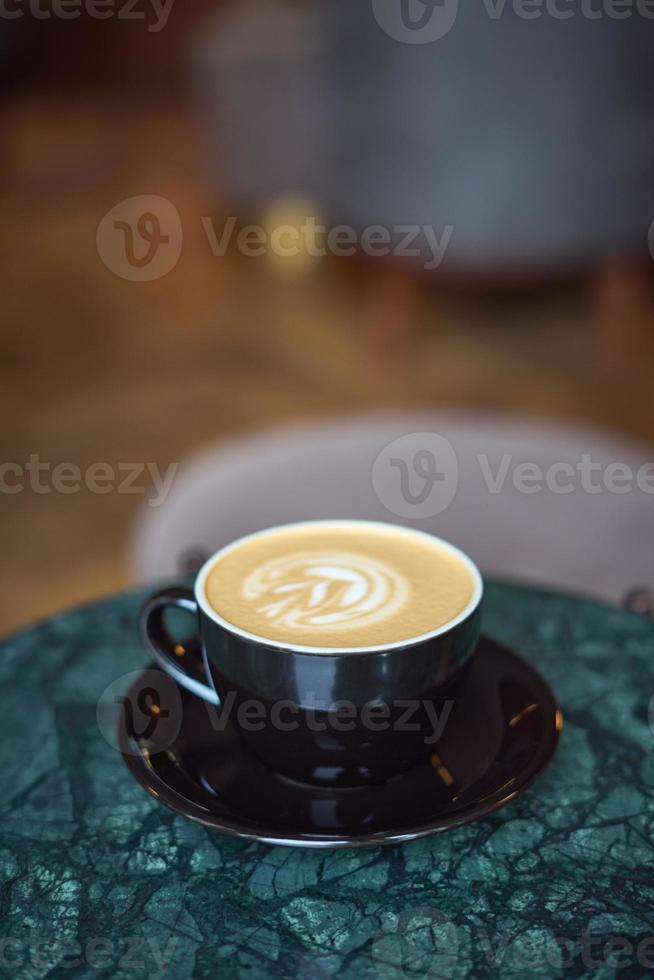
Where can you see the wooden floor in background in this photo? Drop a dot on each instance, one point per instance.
(97, 369)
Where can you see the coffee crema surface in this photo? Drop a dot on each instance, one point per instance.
(339, 585)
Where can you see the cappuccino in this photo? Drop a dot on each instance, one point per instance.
(339, 585)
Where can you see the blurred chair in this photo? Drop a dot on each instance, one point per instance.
(594, 543)
(529, 135)
(255, 75)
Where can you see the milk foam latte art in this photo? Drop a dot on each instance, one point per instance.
(338, 584)
(314, 590)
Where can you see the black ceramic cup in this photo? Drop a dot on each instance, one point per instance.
(320, 715)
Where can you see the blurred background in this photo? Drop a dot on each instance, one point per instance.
(136, 136)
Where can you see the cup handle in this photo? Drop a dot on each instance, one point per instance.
(171, 656)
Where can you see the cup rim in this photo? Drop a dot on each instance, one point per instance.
(211, 613)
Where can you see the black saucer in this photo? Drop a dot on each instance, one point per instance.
(501, 734)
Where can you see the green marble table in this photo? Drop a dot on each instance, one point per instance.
(98, 880)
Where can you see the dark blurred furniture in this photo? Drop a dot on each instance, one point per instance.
(530, 137)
